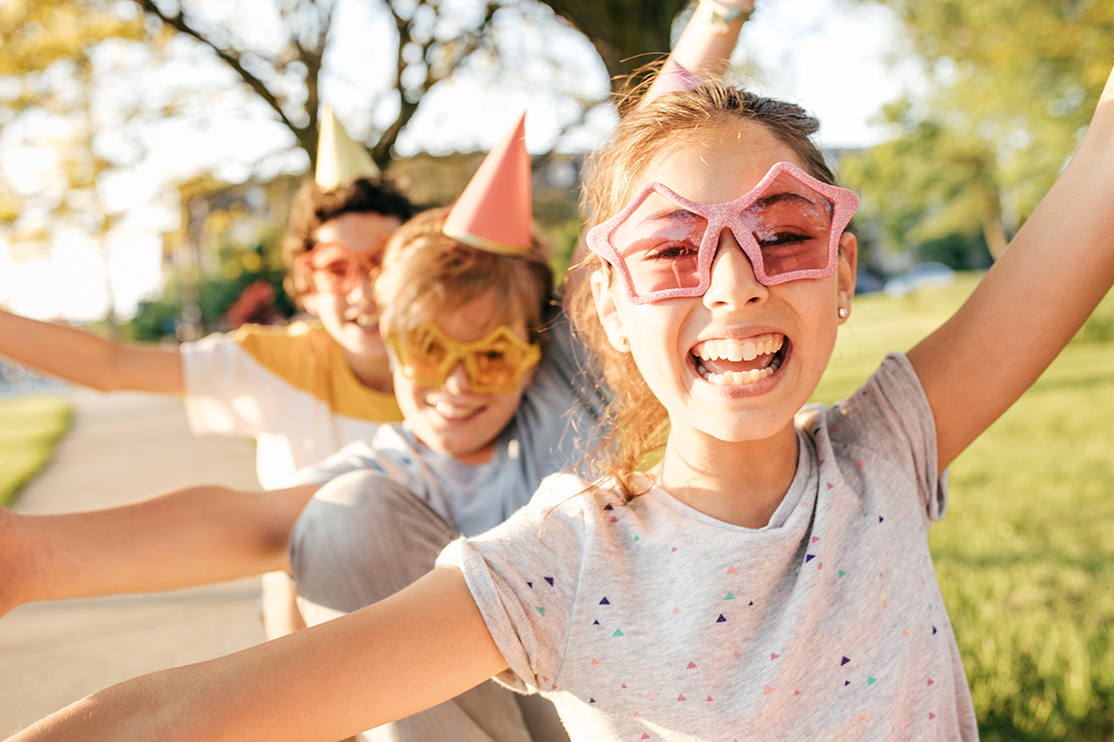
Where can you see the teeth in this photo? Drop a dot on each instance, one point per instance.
(740, 378)
(365, 321)
(739, 350)
(452, 412)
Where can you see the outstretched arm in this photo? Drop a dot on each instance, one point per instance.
(191, 536)
(1030, 304)
(705, 46)
(422, 646)
(84, 358)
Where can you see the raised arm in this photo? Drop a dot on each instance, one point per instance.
(422, 646)
(186, 537)
(84, 358)
(705, 46)
(1030, 304)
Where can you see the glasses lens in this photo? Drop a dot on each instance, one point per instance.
(660, 245)
(423, 356)
(498, 364)
(792, 225)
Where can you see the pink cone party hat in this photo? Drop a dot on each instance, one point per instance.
(494, 211)
(339, 159)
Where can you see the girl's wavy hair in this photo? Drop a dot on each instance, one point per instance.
(639, 424)
(426, 274)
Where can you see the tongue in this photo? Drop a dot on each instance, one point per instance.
(723, 365)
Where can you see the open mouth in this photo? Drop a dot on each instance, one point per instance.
(457, 413)
(739, 362)
(364, 321)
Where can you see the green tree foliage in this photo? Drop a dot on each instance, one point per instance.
(1013, 83)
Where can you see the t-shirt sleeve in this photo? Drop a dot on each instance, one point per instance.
(523, 575)
(227, 391)
(890, 417)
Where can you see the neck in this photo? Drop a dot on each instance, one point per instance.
(373, 373)
(736, 482)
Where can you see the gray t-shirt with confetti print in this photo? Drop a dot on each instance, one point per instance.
(649, 620)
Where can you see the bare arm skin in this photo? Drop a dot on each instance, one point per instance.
(705, 46)
(1031, 303)
(84, 358)
(191, 536)
(424, 645)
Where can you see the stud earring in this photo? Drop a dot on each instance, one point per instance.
(622, 343)
(844, 312)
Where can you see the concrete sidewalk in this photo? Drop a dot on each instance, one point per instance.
(123, 446)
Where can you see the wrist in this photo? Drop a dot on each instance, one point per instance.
(725, 14)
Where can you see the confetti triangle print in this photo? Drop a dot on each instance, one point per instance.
(773, 656)
(933, 629)
(730, 596)
(767, 690)
(931, 716)
(676, 610)
(904, 633)
(721, 619)
(540, 609)
(880, 519)
(549, 580)
(861, 718)
(595, 623)
(691, 665)
(644, 736)
(809, 558)
(681, 698)
(871, 681)
(614, 519)
(859, 464)
(815, 539)
(931, 681)
(732, 571)
(595, 661)
(618, 632)
(844, 662)
(846, 683)
(530, 585)
(605, 602)
(708, 698)
(608, 507)
(830, 485)
(796, 693)
(673, 550)
(636, 537)
(591, 700)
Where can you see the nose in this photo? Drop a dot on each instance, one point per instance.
(457, 382)
(360, 288)
(732, 281)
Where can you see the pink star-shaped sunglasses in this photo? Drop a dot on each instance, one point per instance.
(663, 244)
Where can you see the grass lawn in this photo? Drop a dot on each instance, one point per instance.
(1025, 555)
(29, 428)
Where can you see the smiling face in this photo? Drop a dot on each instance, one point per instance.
(738, 362)
(351, 315)
(454, 419)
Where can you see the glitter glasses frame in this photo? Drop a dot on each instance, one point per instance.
(726, 216)
(458, 352)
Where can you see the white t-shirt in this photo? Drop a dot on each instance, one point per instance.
(649, 620)
(290, 388)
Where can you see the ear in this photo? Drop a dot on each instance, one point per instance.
(848, 262)
(608, 310)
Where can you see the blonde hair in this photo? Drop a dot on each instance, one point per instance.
(426, 274)
(639, 423)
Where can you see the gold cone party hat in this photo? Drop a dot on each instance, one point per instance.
(339, 159)
(494, 211)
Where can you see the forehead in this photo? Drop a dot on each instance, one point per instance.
(358, 231)
(477, 318)
(716, 165)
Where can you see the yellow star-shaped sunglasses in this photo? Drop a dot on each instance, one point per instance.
(494, 364)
